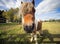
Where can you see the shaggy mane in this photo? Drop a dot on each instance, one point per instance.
(27, 8)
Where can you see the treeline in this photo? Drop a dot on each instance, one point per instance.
(52, 20)
(11, 15)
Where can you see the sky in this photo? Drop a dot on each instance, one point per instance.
(45, 9)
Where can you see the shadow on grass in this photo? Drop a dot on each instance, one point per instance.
(46, 35)
(24, 38)
(14, 39)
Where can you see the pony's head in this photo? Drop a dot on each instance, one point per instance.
(28, 11)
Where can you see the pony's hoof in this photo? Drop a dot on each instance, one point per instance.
(30, 39)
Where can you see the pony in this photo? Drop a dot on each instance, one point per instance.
(27, 11)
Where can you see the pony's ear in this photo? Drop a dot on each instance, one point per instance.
(33, 2)
(21, 2)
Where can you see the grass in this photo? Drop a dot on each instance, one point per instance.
(52, 27)
(14, 34)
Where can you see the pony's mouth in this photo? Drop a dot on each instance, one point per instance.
(29, 29)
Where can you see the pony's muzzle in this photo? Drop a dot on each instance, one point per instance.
(29, 29)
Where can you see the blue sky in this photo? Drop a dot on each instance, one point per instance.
(37, 2)
(45, 9)
(48, 9)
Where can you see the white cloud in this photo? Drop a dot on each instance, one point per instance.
(1, 4)
(11, 4)
(47, 6)
(26, 0)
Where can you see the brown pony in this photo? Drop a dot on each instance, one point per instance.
(27, 11)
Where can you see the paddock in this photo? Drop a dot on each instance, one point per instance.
(10, 34)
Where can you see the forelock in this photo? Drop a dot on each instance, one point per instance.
(26, 7)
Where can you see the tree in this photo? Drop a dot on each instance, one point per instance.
(11, 14)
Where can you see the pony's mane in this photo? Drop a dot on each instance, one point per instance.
(27, 8)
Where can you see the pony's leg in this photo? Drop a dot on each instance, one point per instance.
(35, 38)
(35, 35)
(41, 32)
(31, 37)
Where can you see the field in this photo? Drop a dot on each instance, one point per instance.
(13, 33)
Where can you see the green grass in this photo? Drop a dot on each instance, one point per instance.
(14, 34)
(5, 24)
(52, 27)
